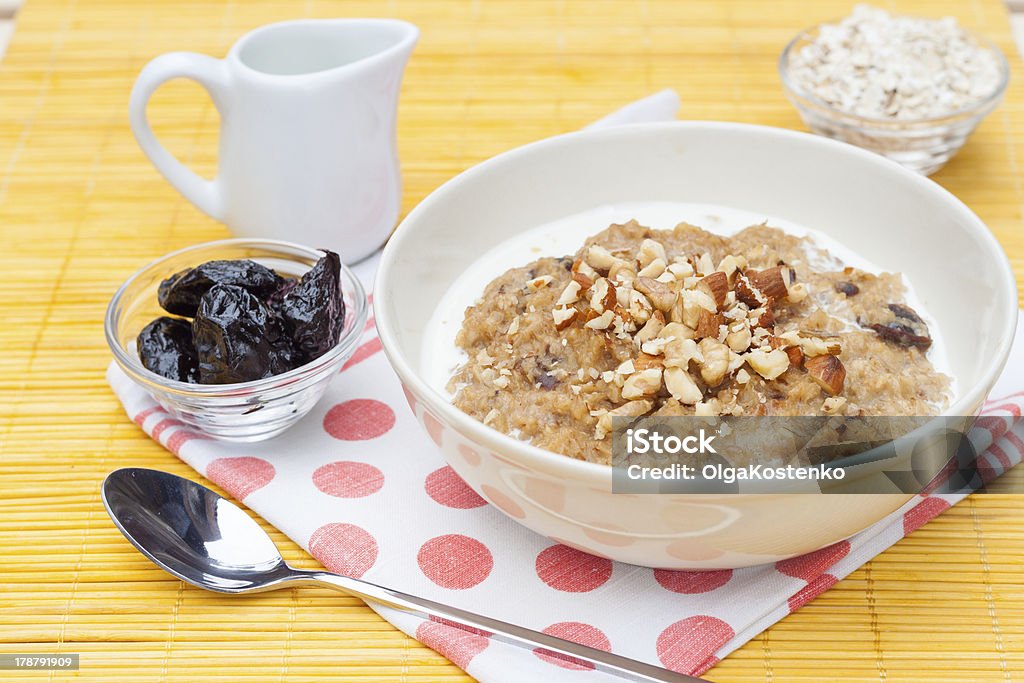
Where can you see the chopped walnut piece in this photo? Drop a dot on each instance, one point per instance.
(708, 324)
(653, 269)
(716, 361)
(828, 372)
(710, 408)
(651, 328)
(730, 264)
(650, 251)
(646, 361)
(661, 295)
(631, 409)
(643, 383)
(739, 340)
(623, 272)
(680, 268)
(682, 386)
(768, 364)
(600, 258)
(833, 405)
(679, 352)
(812, 346)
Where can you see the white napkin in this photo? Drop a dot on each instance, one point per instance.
(359, 485)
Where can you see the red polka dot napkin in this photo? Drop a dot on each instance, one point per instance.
(361, 487)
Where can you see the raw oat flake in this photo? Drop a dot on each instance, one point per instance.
(877, 65)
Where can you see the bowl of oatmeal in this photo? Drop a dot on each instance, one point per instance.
(683, 269)
(910, 88)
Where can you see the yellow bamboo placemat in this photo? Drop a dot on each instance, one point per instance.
(80, 209)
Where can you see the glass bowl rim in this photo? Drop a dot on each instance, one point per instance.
(974, 108)
(132, 366)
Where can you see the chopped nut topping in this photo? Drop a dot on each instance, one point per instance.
(540, 282)
(716, 286)
(661, 295)
(833, 405)
(631, 409)
(828, 372)
(563, 317)
(716, 361)
(682, 386)
(601, 322)
(600, 258)
(650, 251)
(768, 364)
(643, 383)
(570, 295)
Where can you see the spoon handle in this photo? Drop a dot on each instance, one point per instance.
(628, 669)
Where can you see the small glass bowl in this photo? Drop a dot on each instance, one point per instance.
(247, 411)
(923, 145)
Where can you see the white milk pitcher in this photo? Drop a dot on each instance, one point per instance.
(307, 137)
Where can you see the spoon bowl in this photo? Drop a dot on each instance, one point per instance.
(193, 533)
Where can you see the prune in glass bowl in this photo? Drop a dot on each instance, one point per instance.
(247, 411)
(166, 348)
(181, 293)
(313, 313)
(238, 338)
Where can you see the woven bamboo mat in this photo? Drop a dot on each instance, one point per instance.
(80, 209)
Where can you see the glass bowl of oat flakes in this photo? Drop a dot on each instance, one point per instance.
(909, 88)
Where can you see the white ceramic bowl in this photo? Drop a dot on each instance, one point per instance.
(892, 216)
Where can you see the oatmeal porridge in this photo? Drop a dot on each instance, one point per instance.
(642, 322)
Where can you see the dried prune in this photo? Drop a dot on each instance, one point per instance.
(165, 347)
(238, 338)
(180, 293)
(847, 288)
(314, 311)
(900, 324)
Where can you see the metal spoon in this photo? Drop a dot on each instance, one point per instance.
(206, 540)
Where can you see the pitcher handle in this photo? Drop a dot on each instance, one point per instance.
(211, 74)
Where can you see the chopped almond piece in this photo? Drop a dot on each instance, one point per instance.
(539, 282)
(715, 285)
(746, 292)
(796, 356)
(601, 322)
(563, 317)
(602, 297)
(772, 282)
(828, 372)
(570, 294)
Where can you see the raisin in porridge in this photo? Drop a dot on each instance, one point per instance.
(688, 322)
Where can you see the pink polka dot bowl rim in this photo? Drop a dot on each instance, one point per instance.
(893, 217)
(247, 411)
